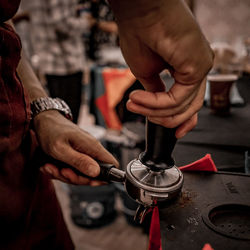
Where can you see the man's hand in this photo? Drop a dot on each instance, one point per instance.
(66, 142)
(158, 35)
(62, 139)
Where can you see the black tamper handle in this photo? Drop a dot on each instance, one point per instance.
(160, 143)
(108, 172)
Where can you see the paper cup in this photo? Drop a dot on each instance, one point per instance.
(220, 86)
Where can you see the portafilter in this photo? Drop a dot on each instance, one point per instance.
(152, 179)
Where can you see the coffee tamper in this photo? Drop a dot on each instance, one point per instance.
(152, 179)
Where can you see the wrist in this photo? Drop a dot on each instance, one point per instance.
(43, 104)
(41, 121)
(49, 114)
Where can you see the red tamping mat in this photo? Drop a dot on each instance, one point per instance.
(204, 164)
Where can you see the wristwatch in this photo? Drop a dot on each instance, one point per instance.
(47, 103)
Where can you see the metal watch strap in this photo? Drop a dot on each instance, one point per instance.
(47, 103)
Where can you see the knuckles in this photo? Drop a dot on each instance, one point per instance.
(56, 147)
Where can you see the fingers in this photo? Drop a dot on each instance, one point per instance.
(152, 83)
(81, 161)
(64, 175)
(168, 109)
(177, 114)
(68, 176)
(175, 97)
(79, 180)
(53, 172)
(87, 144)
(74, 178)
(95, 183)
(157, 104)
(80, 150)
(185, 127)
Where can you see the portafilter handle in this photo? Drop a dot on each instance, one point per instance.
(160, 143)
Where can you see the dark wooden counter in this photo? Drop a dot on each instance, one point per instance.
(226, 139)
(183, 222)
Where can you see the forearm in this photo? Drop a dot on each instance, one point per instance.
(29, 79)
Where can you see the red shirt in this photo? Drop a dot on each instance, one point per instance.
(30, 216)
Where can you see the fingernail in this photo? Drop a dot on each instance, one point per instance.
(180, 135)
(48, 170)
(95, 183)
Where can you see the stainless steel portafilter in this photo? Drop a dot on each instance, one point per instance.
(152, 179)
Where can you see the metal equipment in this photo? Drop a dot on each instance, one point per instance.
(152, 179)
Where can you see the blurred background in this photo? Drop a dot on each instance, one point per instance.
(73, 47)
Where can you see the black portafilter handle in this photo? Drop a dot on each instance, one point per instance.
(108, 172)
(160, 143)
